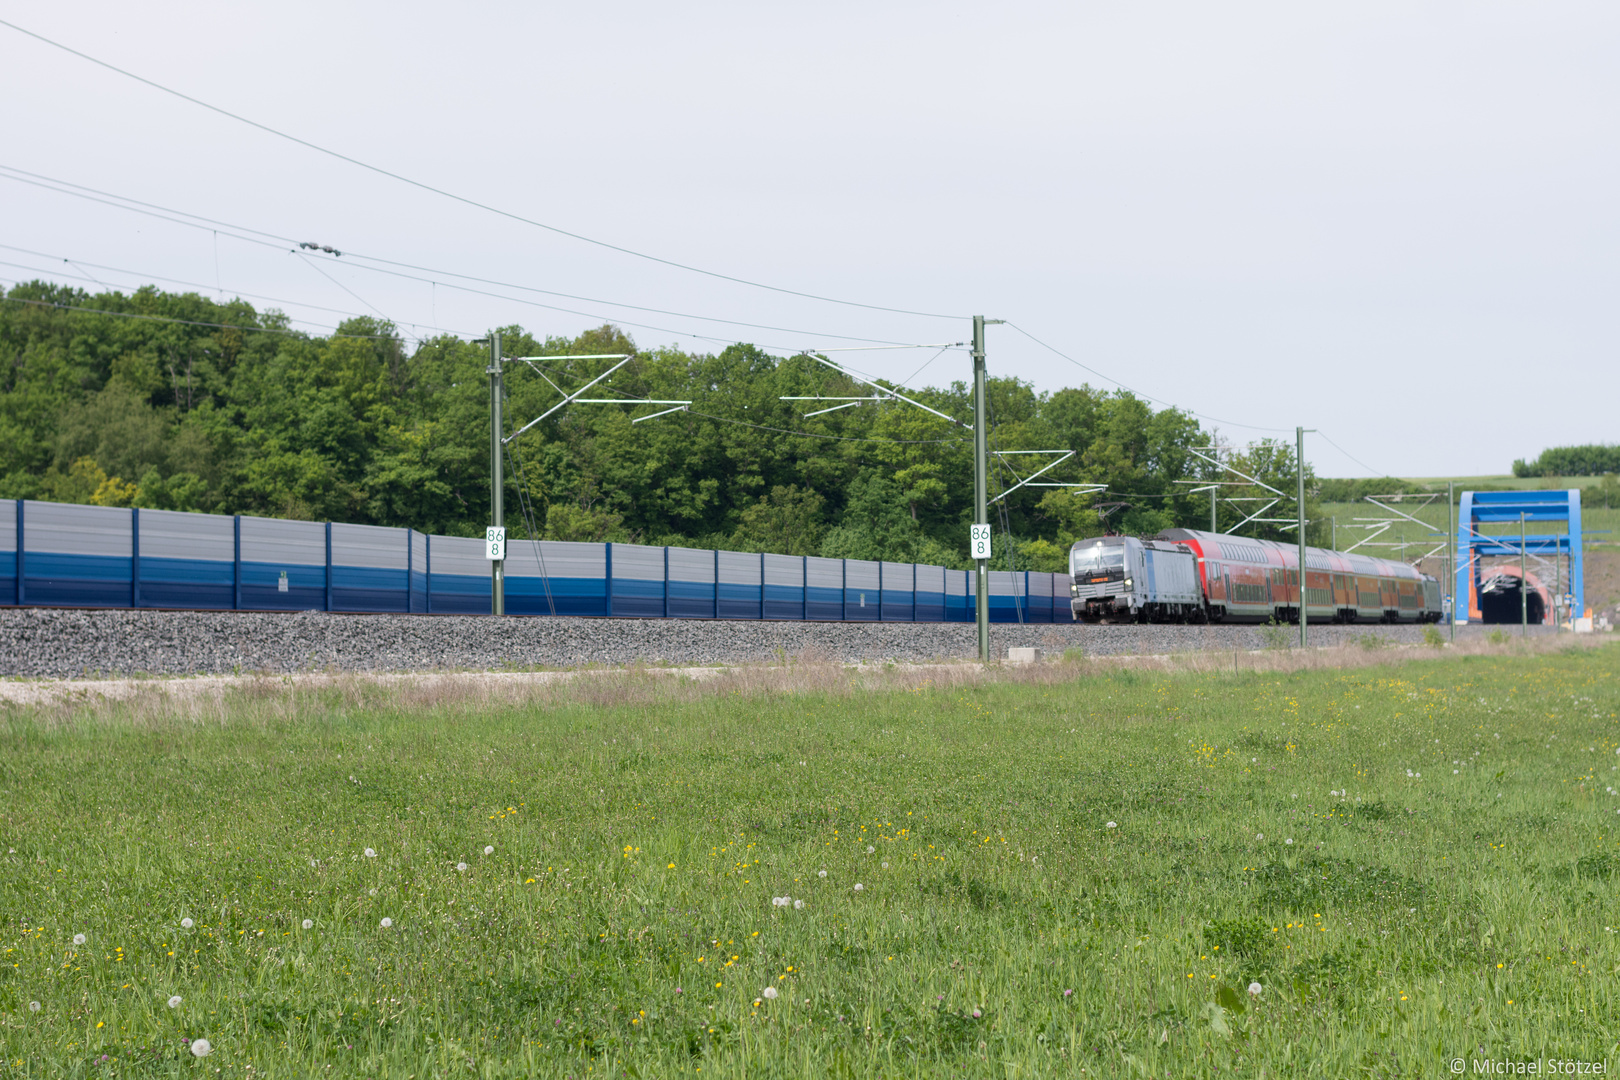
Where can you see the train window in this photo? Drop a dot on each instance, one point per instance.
(1094, 560)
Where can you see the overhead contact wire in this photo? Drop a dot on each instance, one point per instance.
(460, 198)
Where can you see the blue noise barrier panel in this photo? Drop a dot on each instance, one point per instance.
(8, 552)
(186, 560)
(284, 565)
(53, 554)
(784, 586)
(692, 584)
(78, 556)
(638, 580)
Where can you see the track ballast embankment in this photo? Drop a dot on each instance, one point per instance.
(68, 643)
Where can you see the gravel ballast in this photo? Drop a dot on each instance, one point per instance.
(70, 643)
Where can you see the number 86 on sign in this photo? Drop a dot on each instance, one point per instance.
(979, 541)
(495, 544)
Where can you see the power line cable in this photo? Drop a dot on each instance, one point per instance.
(461, 198)
(342, 286)
(329, 331)
(213, 225)
(143, 208)
(195, 285)
(170, 319)
(1372, 471)
(41, 180)
(1146, 397)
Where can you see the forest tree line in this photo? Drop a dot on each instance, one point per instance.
(173, 401)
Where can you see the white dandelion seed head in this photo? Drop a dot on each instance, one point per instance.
(489, 849)
(174, 1002)
(201, 1047)
(186, 924)
(798, 905)
(778, 901)
(1259, 836)
(370, 854)
(822, 874)
(769, 993)
(461, 867)
(870, 849)
(859, 886)
(314, 862)
(309, 924)
(1290, 840)
(1112, 825)
(371, 892)
(33, 1006)
(387, 922)
(78, 939)
(1255, 988)
(885, 866)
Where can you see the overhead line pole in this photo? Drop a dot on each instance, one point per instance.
(497, 508)
(1451, 560)
(1299, 465)
(1524, 585)
(981, 512)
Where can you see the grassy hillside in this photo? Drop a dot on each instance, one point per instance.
(1371, 872)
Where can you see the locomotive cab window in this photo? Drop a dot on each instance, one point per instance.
(1098, 562)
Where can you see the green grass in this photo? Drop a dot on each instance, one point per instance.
(1060, 872)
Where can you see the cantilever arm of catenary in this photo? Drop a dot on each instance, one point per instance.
(653, 416)
(1067, 454)
(622, 361)
(1228, 468)
(885, 390)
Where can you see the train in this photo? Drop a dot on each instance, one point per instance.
(1187, 575)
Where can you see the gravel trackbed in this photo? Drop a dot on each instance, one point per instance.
(71, 643)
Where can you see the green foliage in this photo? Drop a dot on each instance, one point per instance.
(1607, 492)
(1432, 637)
(1342, 491)
(1591, 460)
(235, 414)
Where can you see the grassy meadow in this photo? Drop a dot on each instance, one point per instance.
(1065, 871)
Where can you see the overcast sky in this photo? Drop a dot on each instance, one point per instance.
(1393, 222)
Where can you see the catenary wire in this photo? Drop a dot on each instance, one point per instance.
(199, 285)
(234, 231)
(330, 331)
(1348, 454)
(1145, 397)
(315, 267)
(171, 319)
(464, 200)
(781, 431)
